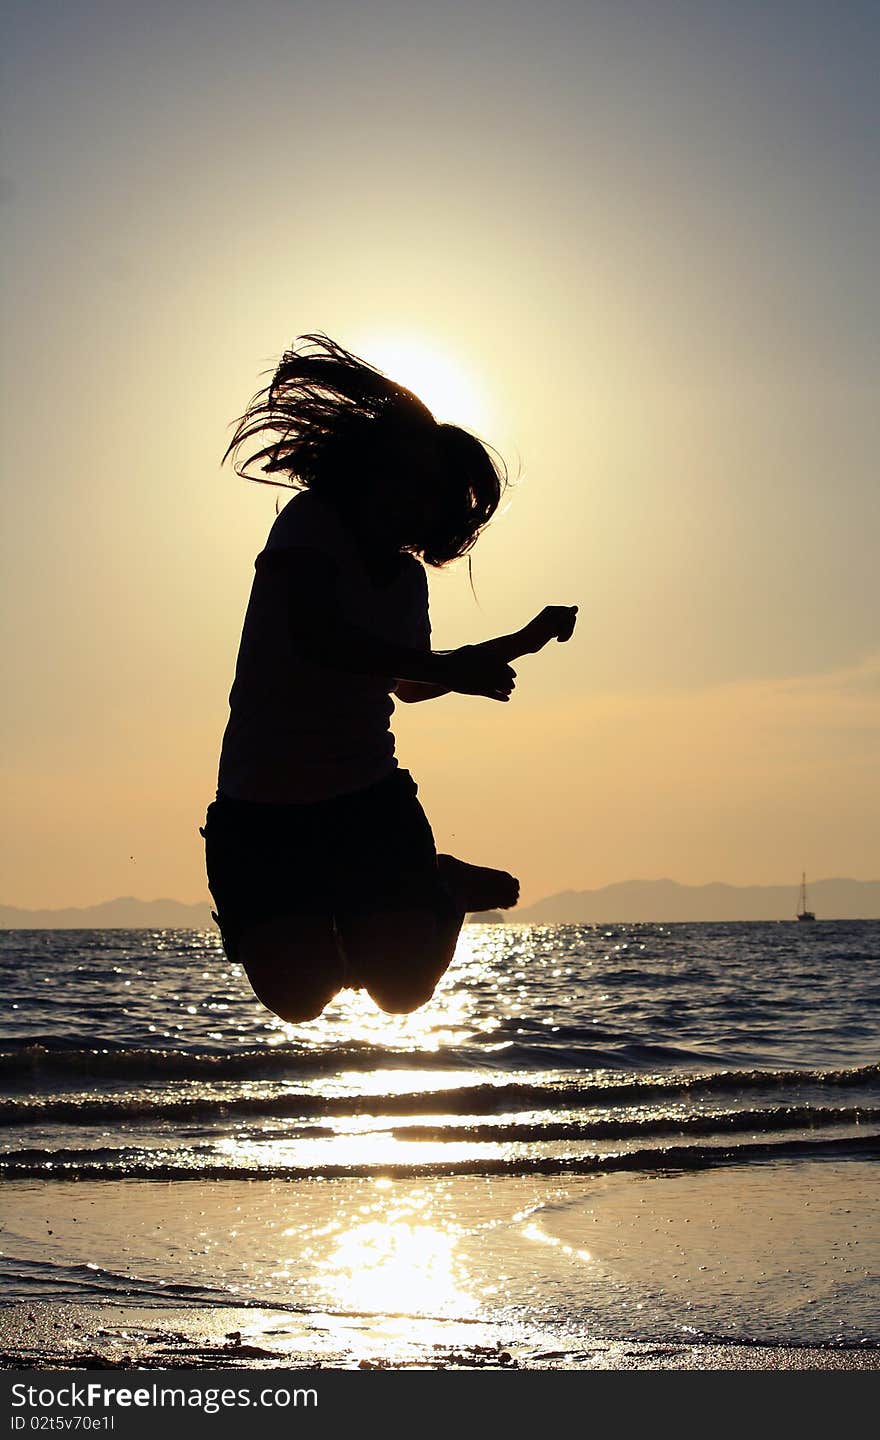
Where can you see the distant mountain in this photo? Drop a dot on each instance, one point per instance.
(125, 913)
(660, 900)
(665, 900)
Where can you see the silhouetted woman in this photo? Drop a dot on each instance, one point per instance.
(320, 859)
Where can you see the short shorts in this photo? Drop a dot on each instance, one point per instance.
(367, 851)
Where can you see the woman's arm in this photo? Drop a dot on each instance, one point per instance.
(323, 636)
(412, 691)
(555, 622)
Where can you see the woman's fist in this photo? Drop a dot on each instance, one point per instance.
(474, 670)
(555, 622)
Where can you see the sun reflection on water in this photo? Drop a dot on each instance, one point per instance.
(456, 1010)
(373, 1148)
(396, 1264)
(534, 1232)
(397, 1082)
(400, 1249)
(383, 1250)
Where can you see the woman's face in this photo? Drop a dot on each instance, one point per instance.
(402, 503)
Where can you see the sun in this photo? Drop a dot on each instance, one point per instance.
(450, 391)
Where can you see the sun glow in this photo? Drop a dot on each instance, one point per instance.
(447, 387)
(397, 1265)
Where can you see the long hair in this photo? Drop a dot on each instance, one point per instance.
(327, 419)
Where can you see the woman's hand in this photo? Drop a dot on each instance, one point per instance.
(485, 669)
(555, 622)
(474, 670)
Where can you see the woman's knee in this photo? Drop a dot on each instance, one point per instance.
(398, 956)
(294, 966)
(290, 999)
(401, 997)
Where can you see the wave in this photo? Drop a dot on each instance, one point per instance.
(736, 1122)
(51, 1055)
(28, 1280)
(62, 1057)
(475, 1099)
(133, 1164)
(27, 1058)
(466, 1100)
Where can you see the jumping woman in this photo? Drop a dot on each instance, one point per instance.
(320, 859)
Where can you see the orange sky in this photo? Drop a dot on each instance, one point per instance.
(647, 251)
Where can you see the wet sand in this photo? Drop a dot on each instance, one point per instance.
(772, 1267)
(99, 1337)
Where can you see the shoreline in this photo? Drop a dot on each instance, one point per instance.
(47, 1336)
(751, 1267)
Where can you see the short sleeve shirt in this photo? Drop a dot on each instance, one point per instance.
(299, 732)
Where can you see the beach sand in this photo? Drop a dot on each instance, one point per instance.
(96, 1337)
(723, 1269)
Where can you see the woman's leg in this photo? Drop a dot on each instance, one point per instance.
(477, 887)
(400, 955)
(398, 905)
(293, 963)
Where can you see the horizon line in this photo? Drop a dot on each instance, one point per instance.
(636, 880)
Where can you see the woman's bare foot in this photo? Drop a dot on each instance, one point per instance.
(477, 887)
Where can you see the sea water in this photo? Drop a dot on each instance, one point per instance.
(643, 1130)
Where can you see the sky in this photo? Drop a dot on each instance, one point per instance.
(632, 246)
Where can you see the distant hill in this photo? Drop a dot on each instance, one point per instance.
(660, 900)
(665, 900)
(126, 913)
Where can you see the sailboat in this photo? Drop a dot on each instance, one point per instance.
(803, 912)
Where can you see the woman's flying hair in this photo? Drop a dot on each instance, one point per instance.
(318, 396)
(326, 416)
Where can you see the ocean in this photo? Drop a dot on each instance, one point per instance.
(639, 1130)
